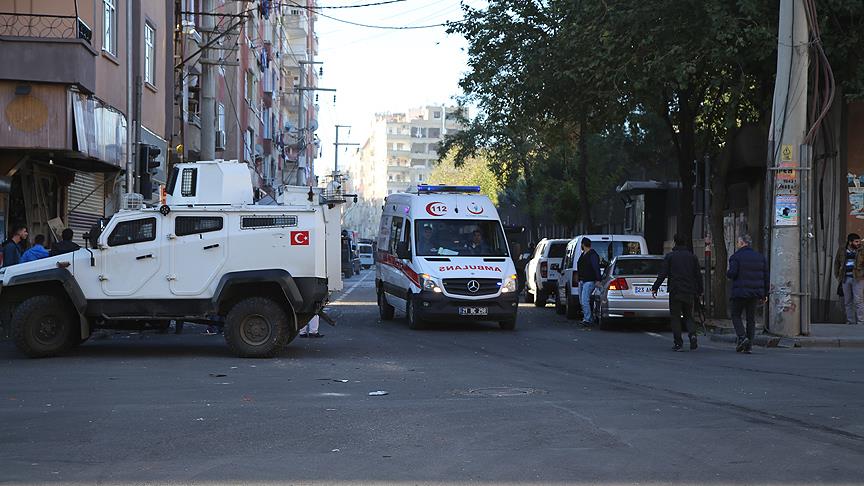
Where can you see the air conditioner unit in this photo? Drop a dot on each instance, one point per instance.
(220, 140)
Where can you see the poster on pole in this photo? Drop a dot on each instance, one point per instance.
(786, 210)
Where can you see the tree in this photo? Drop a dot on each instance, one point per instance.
(474, 171)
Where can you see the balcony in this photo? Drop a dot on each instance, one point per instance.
(47, 48)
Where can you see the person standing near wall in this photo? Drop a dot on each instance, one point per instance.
(849, 270)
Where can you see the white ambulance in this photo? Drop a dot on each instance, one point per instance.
(443, 256)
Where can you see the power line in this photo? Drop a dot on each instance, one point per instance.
(358, 6)
(368, 26)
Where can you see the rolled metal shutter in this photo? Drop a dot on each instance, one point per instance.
(86, 203)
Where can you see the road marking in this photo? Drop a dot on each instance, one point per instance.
(654, 334)
(351, 289)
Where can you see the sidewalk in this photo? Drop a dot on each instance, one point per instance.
(821, 336)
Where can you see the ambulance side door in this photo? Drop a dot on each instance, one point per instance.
(398, 281)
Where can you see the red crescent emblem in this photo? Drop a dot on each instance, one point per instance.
(300, 238)
(477, 206)
(436, 208)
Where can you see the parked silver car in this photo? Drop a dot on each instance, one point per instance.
(625, 291)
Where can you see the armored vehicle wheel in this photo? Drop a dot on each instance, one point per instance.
(257, 327)
(385, 310)
(507, 325)
(43, 326)
(414, 322)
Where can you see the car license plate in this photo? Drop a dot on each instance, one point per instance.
(646, 289)
(473, 311)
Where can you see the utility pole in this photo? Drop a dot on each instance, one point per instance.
(789, 300)
(208, 85)
(130, 104)
(304, 132)
(301, 125)
(336, 148)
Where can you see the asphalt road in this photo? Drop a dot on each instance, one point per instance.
(548, 403)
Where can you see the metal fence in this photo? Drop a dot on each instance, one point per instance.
(44, 26)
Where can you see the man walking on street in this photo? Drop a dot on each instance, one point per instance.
(849, 270)
(588, 269)
(681, 267)
(748, 271)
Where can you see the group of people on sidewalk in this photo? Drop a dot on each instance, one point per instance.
(748, 271)
(15, 248)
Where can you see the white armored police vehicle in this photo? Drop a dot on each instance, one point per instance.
(442, 256)
(207, 255)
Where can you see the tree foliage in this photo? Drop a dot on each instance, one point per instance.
(474, 171)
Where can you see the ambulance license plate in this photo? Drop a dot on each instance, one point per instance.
(473, 311)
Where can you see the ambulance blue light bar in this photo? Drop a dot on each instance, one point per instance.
(423, 188)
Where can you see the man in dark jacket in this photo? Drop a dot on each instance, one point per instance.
(748, 271)
(65, 245)
(588, 270)
(681, 267)
(12, 250)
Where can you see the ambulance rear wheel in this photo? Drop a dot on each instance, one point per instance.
(414, 321)
(385, 310)
(257, 327)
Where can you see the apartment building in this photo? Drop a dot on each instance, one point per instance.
(400, 153)
(265, 114)
(79, 93)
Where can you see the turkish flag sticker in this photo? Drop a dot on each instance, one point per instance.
(300, 238)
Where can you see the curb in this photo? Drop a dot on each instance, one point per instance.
(769, 341)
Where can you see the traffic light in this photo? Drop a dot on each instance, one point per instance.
(147, 163)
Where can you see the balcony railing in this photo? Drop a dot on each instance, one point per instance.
(44, 26)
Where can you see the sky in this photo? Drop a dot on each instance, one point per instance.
(376, 70)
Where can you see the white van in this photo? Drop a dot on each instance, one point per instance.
(442, 256)
(607, 247)
(367, 258)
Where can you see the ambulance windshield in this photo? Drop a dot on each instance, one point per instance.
(459, 237)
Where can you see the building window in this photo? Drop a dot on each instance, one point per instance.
(250, 87)
(436, 115)
(220, 117)
(150, 54)
(109, 31)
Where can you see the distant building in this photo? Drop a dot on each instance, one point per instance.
(266, 115)
(401, 152)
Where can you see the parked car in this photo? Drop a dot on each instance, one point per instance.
(625, 291)
(367, 258)
(542, 270)
(608, 247)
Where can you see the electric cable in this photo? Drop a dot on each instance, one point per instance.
(368, 26)
(375, 4)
